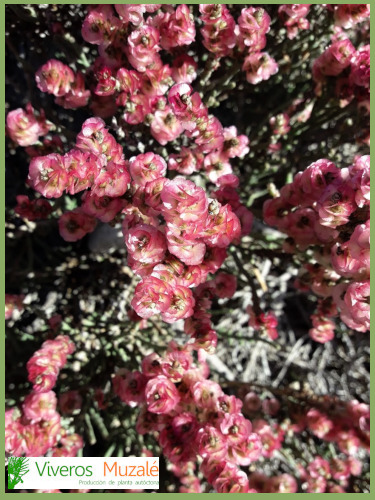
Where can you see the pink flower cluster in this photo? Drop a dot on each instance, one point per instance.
(345, 423)
(329, 476)
(282, 483)
(170, 258)
(294, 18)
(191, 416)
(32, 209)
(97, 163)
(36, 429)
(263, 322)
(148, 32)
(25, 127)
(349, 67)
(327, 208)
(44, 366)
(199, 326)
(194, 224)
(223, 37)
(348, 15)
(58, 79)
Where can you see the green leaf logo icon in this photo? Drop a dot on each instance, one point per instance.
(17, 468)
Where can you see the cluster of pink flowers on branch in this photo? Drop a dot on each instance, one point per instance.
(348, 15)
(58, 79)
(294, 17)
(174, 232)
(348, 68)
(327, 208)
(191, 416)
(36, 429)
(25, 127)
(45, 364)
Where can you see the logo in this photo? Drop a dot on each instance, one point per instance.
(17, 468)
(139, 473)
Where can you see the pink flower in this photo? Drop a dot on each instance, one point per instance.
(184, 200)
(40, 406)
(283, 483)
(131, 13)
(252, 403)
(165, 127)
(70, 402)
(206, 393)
(270, 436)
(184, 69)
(246, 451)
(100, 25)
(137, 106)
(77, 97)
(333, 60)
(54, 77)
(313, 181)
(146, 244)
(236, 428)
(271, 406)
(82, 169)
(75, 225)
(155, 84)
(103, 208)
(128, 80)
(235, 145)
(246, 219)
(225, 285)
(218, 30)
(106, 82)
(357, 301)
(182, 305)
(231, 480)
(216, 165)
(48, 176)
(360, 180)
(348, 15)
(222, 227)
(24, 127)
(161, 395)
(211, 443)
(92, 136)
(323, 329)
(112, 181)
(130, 387)
(318, 423)
(152, 365)
(179, 29)
(151, 296)
(185, 162)
(294, 16)
(143, 47)
(360, 67)
(259, 66)
(336, 205)
(147, 167)
(13, 303)
(190, 253)
(254, 23)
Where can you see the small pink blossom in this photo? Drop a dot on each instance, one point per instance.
(161, 395)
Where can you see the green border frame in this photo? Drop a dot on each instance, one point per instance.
(171, 496)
